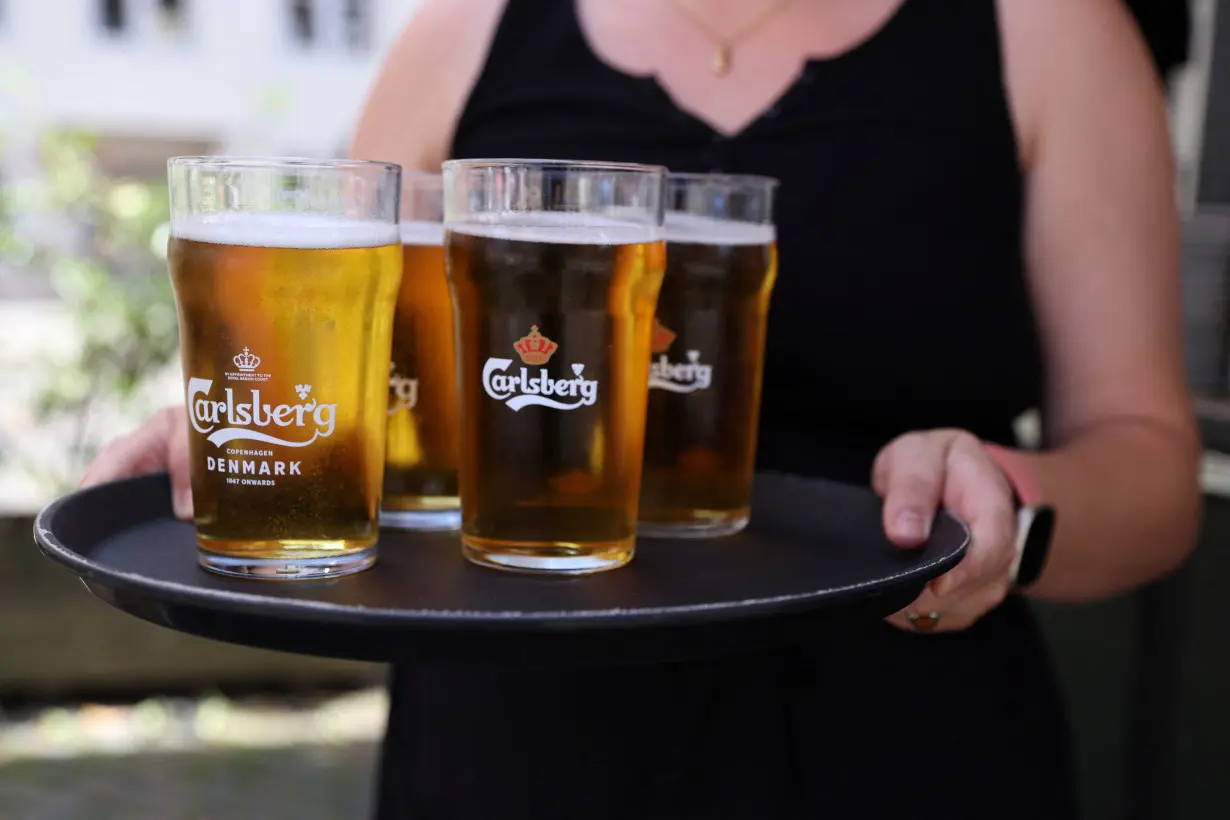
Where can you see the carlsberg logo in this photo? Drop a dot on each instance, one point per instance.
(526, 387)
(405, 391)
(232, 417)
(683, 377)
(522, 389)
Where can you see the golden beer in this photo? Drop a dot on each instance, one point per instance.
(705, 376)
(285, 323)
(420, 479)
(554, 394)
(555, 313)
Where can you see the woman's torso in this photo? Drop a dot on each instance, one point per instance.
(900, 304)
(901, 301)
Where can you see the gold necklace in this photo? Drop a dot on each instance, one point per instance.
(723, 44)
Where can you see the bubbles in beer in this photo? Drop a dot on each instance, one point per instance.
(558, 227)
(422, 234)
(298, 231)
(708, 230)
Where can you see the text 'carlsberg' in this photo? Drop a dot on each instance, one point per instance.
(681, 377)
(405, 391)
(527, 388)
(239, 414)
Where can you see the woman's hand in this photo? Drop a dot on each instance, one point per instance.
(159, 444)
(916, 474)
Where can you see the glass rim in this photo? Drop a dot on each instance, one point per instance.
(719, 178)
(240, 161)
(565, 164)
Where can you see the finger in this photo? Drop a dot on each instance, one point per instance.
(178, 465)
(140, 452)
(979, 495)
(913, 483)
(923, 621)
(930, 613)
(108, 463)
(925, 605)
(953, 613)
(129, 455)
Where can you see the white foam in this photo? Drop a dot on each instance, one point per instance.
(558, 227)
(427, 234)
(297, 231)
(708, 230)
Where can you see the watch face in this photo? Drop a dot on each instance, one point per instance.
(1038, 532)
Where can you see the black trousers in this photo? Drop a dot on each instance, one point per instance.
(871, 723)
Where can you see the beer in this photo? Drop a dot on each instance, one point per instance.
(285, 323)
(555, 269)
(554, 337)
(705, 376)
(420, 479)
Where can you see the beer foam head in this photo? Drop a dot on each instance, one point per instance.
(427, 234)
(558, 227)
(299, 231)
(708, 230)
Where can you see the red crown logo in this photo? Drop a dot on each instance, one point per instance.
(662, 337)
(247, 361)
(535, 348)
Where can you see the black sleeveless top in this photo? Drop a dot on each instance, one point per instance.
(901, 304)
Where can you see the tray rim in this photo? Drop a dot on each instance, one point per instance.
(254, 603)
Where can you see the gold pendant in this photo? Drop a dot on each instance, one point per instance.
(721, 60)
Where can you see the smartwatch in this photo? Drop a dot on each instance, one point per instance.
(1035, 518)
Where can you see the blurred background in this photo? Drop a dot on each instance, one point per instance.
(103, 716)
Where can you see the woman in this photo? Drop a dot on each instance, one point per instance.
(975, 219)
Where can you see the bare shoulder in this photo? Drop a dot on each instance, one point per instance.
(1066, 54)
(413, 105)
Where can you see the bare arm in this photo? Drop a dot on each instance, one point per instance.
(1102, 246)
(412, 109)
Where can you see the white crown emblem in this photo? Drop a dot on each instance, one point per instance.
(246, 361)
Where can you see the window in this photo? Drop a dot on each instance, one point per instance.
(357, 20)
(171, 15)
(113, 18)
(335, 24)
(301, 20)
(143, 17)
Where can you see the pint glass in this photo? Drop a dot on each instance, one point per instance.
(708, 355)
(555, 268)
(420, 471)
(285, 275)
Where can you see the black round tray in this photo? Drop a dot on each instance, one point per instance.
(814, 555)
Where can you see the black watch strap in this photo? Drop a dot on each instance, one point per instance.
(1035, 530)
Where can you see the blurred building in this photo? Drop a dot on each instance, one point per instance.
(152, 79)
(155, 78)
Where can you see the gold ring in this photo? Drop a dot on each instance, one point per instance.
(923, 623)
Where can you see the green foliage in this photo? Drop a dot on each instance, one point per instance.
(110, 273)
